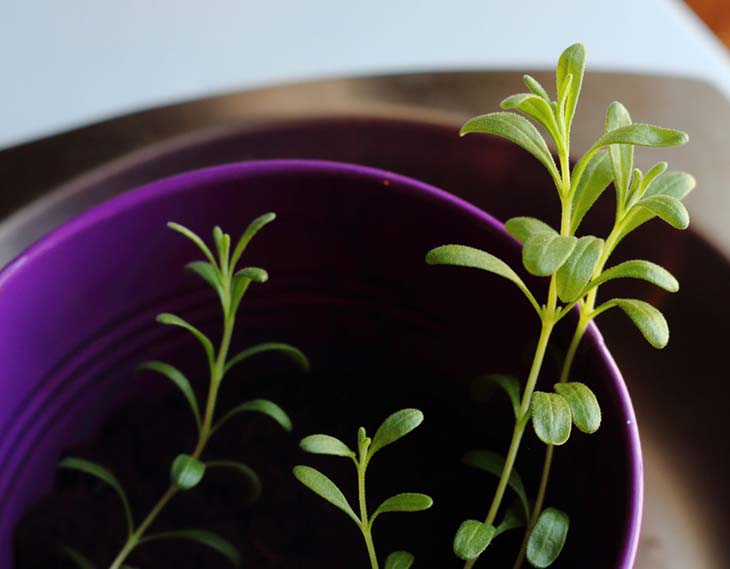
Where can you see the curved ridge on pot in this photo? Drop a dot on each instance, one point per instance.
(292, 185)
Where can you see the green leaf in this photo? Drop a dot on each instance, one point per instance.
(325, 444)
(493, 463)
(514, 517)
(204, 537)
(194, 238)
(648, 320)
(239, 286)
(638, 269)
(654, 172)
(399, 560)
(325, 488)
(667, 208)
(551, 417)
(544, 254)
(253, 228)
(583, 405)
(522, 228)
(571, 64)
(622, 155)
(296, 355)
(596, 177)
(577, 271)
(472, 538)
(263, 406)
(179, 379)
(463, 256)
(77, 558)
(397, 425)
(516, 129)
(640, 134)
(536, 107)
(246, 471)
(207, 272)
(106, 476)
(547, 537)
(255, 274)
(406, 502)
(510, 385)
(534, 86)
(673, 184)
(186, 471)
(173, 320)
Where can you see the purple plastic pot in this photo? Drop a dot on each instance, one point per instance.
(349, 281)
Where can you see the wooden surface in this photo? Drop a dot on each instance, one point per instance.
(716, 14)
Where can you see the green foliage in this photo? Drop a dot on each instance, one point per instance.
(220, 272)
(472, 538)
(396, 426)
(575, 265)
(507, 383)
(493, 463)
(547, 537)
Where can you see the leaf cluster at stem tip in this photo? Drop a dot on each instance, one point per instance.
(396, 426)
(575, 266)
(221, 272)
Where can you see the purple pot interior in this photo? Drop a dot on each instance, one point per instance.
(348, 281)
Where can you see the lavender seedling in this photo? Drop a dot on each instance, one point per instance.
(576, 268)
(230, 283)
(393, 428)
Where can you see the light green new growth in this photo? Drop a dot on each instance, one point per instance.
(576, 266)
(393, 428)
(230, 283)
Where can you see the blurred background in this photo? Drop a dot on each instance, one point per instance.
(69, 63)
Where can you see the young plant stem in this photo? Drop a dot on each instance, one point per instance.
(216, 375)
(364, 519)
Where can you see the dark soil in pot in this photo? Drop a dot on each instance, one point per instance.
(289, 526)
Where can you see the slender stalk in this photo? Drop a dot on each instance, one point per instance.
(204, 435)
(364, 520)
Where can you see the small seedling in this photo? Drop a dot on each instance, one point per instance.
(393, 428)
(188, 470)
(576, 267)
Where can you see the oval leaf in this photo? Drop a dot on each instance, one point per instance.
(398, 425)
(640, 134)
(243, 469)
(472, 538)
(544, 254)
(406, 502)
(551, 417)
(399, 560)
(255, 274)
(667, 208)
(179, 379)
(522, 228)
(577, 271)
(673, 184)
(325, 444)
(325, 488)
(622, 155)
(208, 538)
(253, 228)
(516, 129)
(536, 107)
(638, 269)
(296, 355)
(514, 517)
(571, 65)
(464, 256)
(106, 476)
(493, 463)
(186, 472)
(181, 229)
(596, 177)
(547, 537)
(583, 405)
(207, 272)
(173, 320)
(264, 406)
(648, 320)
(534, 86)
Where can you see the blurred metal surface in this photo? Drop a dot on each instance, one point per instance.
(680, 394)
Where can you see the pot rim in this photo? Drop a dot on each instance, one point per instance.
(160, 188)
